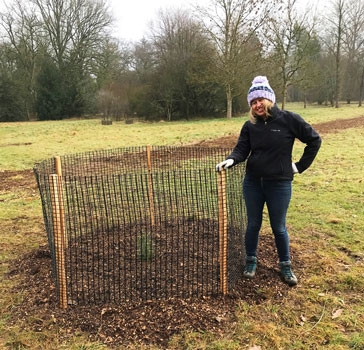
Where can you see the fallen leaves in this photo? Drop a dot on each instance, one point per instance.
(337, 313)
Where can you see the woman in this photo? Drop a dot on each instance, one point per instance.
(266, 140)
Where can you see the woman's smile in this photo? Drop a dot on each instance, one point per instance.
(258, 107)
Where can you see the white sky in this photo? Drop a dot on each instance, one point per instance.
(133, 17)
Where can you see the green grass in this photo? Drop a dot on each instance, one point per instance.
(26, 143)
(23, 144)
(325, 220)
(332, 193)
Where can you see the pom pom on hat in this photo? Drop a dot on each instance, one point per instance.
(261, 89)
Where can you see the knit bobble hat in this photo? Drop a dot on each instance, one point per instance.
(261, 89)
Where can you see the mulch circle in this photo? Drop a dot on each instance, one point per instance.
(152, 321)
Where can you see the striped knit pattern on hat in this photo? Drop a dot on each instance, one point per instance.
(261, 89)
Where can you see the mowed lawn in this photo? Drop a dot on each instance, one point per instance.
(326, 224)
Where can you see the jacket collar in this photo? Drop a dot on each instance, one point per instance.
(274, 111)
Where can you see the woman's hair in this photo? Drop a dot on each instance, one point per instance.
(267, 106)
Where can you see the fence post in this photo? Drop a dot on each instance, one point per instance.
(58, 167)
(221, 191)
(150, 187)
(59, 237)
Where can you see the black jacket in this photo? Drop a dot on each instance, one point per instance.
(268, 145)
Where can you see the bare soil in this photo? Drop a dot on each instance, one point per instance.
(151, 321)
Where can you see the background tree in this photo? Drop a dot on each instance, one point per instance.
(22, 27)
(51, 90)
(144, 66)
(113, 75)
(12, 107)
(181, 50)
(73, 30)
(58, 60)
(230, 25)
(309, 76)
(353, 48)
(334, 40)
(292, 38)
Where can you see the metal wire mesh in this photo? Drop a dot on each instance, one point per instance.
(141, 223)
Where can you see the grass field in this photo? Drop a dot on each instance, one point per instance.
(23, 144)
(326, 223)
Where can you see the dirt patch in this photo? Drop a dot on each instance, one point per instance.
(322, 128)
(16, 144)
(150, 321)
(338, 125)
(10, 180)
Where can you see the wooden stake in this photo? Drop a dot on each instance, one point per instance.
(221, 191)
(59, 239)
(58, 167)
(150, 187)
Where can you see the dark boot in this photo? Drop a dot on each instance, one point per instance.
(287, 274)
(250, 266)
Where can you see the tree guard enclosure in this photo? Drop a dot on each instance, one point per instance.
(142, 223)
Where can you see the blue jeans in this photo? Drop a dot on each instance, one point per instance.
(277, 195)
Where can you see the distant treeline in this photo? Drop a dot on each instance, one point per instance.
(58, 59)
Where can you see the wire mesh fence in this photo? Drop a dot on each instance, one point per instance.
(142, 223)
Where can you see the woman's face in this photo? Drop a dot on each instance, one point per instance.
(258, 107)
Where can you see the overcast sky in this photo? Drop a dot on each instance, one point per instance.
(132, 17)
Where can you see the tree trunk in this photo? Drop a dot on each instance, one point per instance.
(169, 112)
(337, 76)
(305, 100)
(284, 95)
(284, 99)
(340, 29)
(361, 89)
(229, 102)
